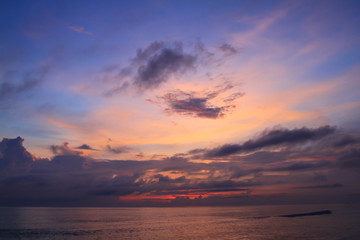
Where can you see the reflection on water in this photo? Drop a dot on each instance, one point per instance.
(256, 222)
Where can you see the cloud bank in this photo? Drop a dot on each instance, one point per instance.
(270, 138)
(71, 178)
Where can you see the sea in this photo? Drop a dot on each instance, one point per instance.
(243, 222)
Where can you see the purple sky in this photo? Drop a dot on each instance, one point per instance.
(179, 102)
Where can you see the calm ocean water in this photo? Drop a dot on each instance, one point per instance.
(255, 222)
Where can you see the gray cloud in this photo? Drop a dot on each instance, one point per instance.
(15, 83)
(153, 66)
(301, 165)
(198, 104)
(336, 185)
(13, 156)
(346, 140)
(158, 62)
(227, 49)
(144, 55)
(63, 149)
(192, 106)
(85, 147)
(71, 178)
(118, 149)
(271, 138)
(350, 159)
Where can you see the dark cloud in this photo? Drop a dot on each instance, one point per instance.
(118, 186)
(162, 178)
(198, 104)
(227, 49)
(144, 55)
(264, 157)
(350, 159)
(68, 163)
(159, 62)
(63, 149)
(85, 147)
(71, 178)
(154, 65)
(13, 156)
(336, 185)
(15, 83)
(198, 107)
(118, 149)
(346, 140)
(272, 138)
(300, 166)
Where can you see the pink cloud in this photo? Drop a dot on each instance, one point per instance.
(79, 30)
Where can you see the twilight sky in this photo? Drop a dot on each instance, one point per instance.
(179, 102)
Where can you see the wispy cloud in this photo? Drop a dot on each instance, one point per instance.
(157, 63)
(79, 30)
(118, 149)
(63, 149)
(227, 49)
(15, 83)
(198, 104)
(276, 137)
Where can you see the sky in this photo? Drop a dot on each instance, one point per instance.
(177, 103)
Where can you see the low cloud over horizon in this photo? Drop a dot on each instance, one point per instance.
(302, 165)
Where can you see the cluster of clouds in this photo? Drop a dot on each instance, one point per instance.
(322, 160)
(153, 66)
(150, 68)
(198, 103)
(156, 64)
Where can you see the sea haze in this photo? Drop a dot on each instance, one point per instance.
(246, 222)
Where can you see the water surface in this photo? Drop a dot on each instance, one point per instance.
(255, 222)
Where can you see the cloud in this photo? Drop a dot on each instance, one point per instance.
(158, 62)
(272, 138)
(193, 106)
(71, 178)
(346, 141)
(350, 159)
(227, 49)
(118, 150)
(198, 104)
(151, 67)
(117, 90)
(79, 30)
(13, 156)
(15, 83)
(336, 185)
(85, 147)
(301, 165)
(63, 149)
(68, 163)
(162, 178)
